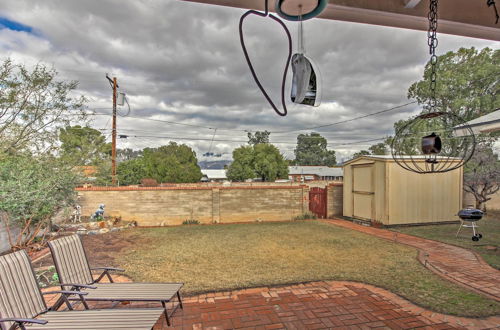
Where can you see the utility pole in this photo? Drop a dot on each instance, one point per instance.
(114, 85)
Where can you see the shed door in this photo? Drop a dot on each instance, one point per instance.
(363, 191)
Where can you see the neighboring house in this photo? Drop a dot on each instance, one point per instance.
(313, 173)
(213, 175)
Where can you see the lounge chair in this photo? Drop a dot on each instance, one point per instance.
(21, 303)
(75, 273)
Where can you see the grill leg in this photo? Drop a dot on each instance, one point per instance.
(460, 228)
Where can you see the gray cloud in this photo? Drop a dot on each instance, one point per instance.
(182, 61)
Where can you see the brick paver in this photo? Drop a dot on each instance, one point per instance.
(454, 263)
(316, 305)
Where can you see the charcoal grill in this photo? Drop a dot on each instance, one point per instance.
(471, 216)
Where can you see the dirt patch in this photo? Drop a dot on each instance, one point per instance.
(104, 250)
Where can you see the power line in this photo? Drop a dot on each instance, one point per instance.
(347, 120)
(245, 141)
(273, 132)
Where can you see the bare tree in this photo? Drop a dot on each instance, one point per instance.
(482, 175)
(33, 106)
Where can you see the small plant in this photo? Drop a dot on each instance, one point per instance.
(48, 277)
(305, 216)
(190, 222)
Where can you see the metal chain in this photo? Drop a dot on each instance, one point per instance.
(432, 41)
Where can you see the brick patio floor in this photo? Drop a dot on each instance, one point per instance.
(454, 263)
(316, 305)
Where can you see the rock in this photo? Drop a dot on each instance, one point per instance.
(93, 232)
(81, 231)
(103, 230)
(116, 229)
(93, 225)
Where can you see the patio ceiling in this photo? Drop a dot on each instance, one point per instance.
(458, 17)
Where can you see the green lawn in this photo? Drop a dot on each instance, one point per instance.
(489, 227)
(225, 257)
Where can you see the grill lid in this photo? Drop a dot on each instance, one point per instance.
(470, 214)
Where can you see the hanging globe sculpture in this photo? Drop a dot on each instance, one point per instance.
(429, 144)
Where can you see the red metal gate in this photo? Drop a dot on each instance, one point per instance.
(317, 202)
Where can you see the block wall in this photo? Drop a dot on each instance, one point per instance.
(171, 206)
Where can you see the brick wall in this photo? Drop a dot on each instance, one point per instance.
(155, 206)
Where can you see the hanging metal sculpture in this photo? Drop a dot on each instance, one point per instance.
(285, 9)
(427, 142)
(306, 82)
(257, 81)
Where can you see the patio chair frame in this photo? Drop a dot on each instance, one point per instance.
(76, 287)
(21, 322)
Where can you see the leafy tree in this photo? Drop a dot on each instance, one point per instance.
(103, 173)
(242, 168)
(32, 190)
(131, 171)
(171, 163)
(482, 175)
(83, 145)
(33, 106)
(467, 83)
(312, 150)
(261, 160)
(360, 153)
(467, 86)
(127, 154)
(379, 149)
(269, 163)
(258, 137)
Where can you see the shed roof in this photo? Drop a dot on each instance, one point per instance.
(315, 170)
(388, 158)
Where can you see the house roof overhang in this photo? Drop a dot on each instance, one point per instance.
(457, 17)
(485, 124)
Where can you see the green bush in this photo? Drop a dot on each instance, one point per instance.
(191, 222)
(305, 216)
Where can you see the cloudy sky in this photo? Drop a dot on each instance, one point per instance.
(181, 62)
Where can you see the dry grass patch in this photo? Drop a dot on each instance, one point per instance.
(226, 257)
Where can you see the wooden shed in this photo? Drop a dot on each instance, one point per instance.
(377, 189)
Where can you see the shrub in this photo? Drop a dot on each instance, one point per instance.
(191, 222)
(305, 216)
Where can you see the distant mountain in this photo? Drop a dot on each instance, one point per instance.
(213, 165)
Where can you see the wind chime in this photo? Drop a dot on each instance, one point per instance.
(306, 81)
(427, 143)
